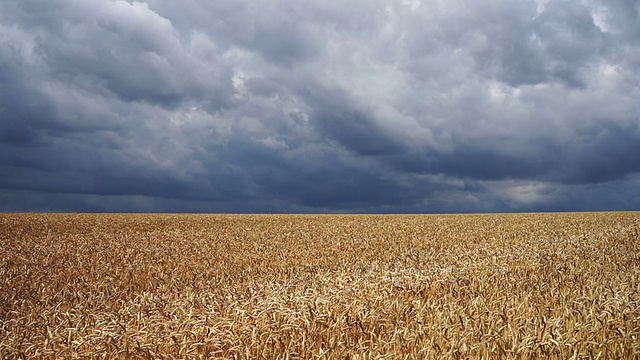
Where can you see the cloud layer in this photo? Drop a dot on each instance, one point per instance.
(350, 106)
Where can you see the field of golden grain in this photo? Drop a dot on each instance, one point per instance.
(320, 286)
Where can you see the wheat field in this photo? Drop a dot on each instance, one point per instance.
(513, 286)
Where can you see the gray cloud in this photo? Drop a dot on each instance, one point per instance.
(357, 106)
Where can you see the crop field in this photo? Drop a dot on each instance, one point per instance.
(515, 286)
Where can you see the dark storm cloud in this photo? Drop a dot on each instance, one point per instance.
(355, 129)
(279, 106)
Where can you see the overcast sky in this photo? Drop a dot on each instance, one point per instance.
(319, 106)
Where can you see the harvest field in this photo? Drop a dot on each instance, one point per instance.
(562, 285)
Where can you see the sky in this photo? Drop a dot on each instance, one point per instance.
(316, 106)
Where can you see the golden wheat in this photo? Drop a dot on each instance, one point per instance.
(513, 286)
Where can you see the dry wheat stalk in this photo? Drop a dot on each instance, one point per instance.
(513, 286)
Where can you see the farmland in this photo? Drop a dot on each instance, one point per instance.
(553, 285)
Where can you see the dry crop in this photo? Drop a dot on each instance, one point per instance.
(515, 286)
